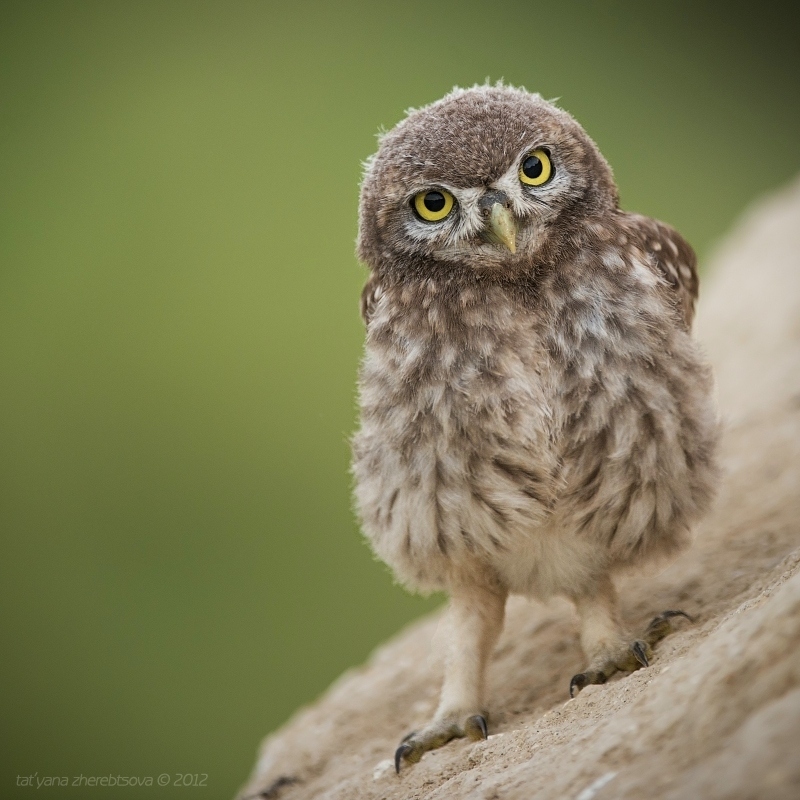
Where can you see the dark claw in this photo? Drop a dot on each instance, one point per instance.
(578, 682)
(400, 754)
(583, 679)
(407, 737)
(478, 721)
(640, 653)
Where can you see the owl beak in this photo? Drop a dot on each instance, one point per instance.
(501, 227)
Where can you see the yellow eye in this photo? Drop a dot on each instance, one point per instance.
(536, 168)
(433, 205)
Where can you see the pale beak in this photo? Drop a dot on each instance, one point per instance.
(501, 227)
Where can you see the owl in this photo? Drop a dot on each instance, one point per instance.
(535, 417)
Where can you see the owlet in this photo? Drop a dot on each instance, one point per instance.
(535, 415)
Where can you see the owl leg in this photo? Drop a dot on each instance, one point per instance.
(605, 641)
(475, 621)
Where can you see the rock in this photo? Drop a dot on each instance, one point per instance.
(717, 714)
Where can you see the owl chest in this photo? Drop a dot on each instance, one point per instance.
(456, 396)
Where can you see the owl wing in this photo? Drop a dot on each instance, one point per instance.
(370, 295)
(672, 258)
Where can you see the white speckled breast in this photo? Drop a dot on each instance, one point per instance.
(454, 458)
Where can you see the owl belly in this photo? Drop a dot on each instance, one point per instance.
(454, 462)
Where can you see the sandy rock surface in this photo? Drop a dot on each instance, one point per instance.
(717, 714)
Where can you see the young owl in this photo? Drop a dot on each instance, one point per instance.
(535, 416)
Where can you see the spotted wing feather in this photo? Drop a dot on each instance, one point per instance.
(370, 295)
(673, 259)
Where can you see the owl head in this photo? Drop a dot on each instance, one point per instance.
(488, 179)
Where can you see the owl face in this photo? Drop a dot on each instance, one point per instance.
(488, 178)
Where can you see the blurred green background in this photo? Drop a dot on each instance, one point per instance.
(179, 334)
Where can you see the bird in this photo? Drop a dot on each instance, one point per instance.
(536, 417)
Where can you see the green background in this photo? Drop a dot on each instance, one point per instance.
(179, 334)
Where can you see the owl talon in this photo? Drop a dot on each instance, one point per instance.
(437, 734)
(475, 727)
(639, 650)
(401, 753)
(584, 679)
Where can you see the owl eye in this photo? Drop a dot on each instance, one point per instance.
(536, 168)
(433, 205)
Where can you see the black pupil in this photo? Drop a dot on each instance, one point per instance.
(434, 201)
(532, 167)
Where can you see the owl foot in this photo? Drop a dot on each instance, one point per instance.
(661, 626)
(438, 733)
(633, 656)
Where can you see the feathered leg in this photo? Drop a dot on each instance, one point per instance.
(475, 621)
(605, 641)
